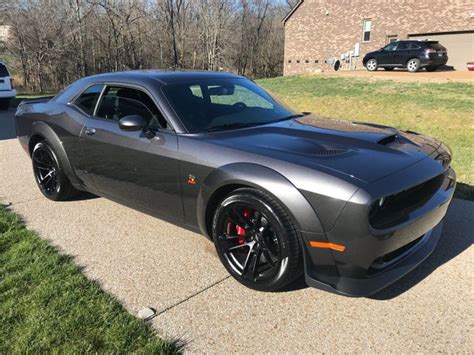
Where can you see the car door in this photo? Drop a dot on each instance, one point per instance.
(139, 168)
(386, 55)
(402, 54)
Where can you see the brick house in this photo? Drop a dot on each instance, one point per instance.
(318, 30)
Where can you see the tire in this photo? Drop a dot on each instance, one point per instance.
(49, 175)
(430, 68)
(4, 104)
(372, 64)
(388, 69)
(256, 240)
(413, 65)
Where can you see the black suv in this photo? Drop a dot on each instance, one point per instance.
(412, 55)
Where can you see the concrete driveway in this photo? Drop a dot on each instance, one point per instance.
(146, 262)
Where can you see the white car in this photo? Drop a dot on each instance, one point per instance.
(7, 91)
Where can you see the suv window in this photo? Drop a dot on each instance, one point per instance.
(118, 102)
(88, 99)
(3, 71)
(391, 46)
(414, 46)
(403, 46)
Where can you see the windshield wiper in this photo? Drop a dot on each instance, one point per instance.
(298, 115)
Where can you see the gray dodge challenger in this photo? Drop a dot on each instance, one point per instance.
(353, 206)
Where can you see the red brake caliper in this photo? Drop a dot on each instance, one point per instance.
(239, 230)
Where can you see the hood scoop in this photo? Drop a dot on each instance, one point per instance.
(388, 139)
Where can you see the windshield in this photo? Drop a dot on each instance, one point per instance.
(218, 104)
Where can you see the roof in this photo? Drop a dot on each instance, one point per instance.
(292, 11)
(166, 77)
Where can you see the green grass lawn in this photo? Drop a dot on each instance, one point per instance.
(47, 304)
(441, 110)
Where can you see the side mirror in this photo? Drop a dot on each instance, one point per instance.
(132, 123)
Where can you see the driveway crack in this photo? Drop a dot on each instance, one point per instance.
(190, 297)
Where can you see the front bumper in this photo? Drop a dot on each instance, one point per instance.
(374, 258)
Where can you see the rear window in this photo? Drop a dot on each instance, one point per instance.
(438, 47)
(3, 71)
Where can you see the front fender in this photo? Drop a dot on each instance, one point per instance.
(44, 130)
(261, 178)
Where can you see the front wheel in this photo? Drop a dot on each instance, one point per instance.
(372, 65)
(49, 175)
(256, 240)
(413, 65)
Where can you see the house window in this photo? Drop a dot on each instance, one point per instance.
(316, 61)
(367, 27)
(289, 61)
(391, 39)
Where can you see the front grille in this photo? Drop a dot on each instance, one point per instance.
(396, 208)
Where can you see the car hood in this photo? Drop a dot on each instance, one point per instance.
(363, 151)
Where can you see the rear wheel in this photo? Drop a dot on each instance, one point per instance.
(413, 65)
(372, 65)
(256, 240)
(49, 175)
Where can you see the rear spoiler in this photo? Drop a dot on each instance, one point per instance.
(34, 101)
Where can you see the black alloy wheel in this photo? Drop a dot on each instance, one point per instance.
(256, 240)
(49, 176)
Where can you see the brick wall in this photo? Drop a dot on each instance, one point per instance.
(319, 29)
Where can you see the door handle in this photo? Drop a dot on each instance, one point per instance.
(89, 131)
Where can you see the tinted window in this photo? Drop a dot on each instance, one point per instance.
(391, 46)
(86, 102)
(403, 46)
(119, 102)
(3, 71)
(413, 46)
(222, 102)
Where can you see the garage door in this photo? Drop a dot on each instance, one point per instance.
(460, 47)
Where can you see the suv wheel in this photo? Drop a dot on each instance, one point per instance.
(413, 65)
(372, 65)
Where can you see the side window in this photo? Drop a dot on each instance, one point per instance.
(403, 46)
(118, 102)
(88, 99)
(240, 95)
(3, 71)
(414, 46)
(391, 47)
